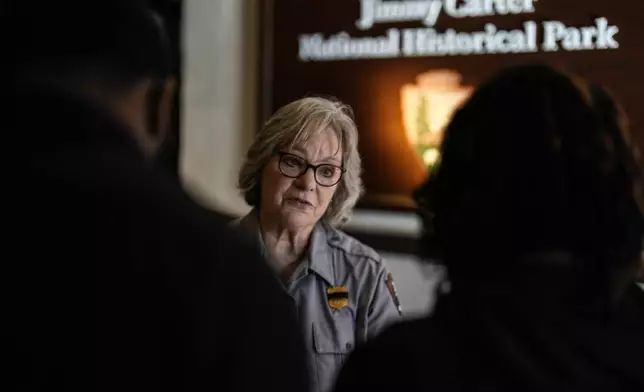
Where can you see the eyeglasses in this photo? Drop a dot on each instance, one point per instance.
(325, 174)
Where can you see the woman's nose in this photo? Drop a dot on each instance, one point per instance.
(307, 179)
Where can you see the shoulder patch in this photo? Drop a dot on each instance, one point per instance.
(394, 294)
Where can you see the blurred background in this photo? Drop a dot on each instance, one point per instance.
(242, 59)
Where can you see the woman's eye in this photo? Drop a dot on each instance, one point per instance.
(328, 171)
(292, 162)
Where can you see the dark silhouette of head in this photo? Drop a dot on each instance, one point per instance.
(112, 52)
(535, 162)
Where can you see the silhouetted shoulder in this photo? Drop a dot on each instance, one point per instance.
(396, 356)
(409, 356)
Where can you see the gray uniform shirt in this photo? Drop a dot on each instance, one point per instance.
(332, 325)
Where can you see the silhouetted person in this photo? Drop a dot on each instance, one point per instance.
(536, 210)
(115, 280)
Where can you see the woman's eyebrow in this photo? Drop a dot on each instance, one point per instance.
(331, 159)
(299, 151)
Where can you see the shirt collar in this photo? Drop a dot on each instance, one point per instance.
(320, 260)
(319, 255)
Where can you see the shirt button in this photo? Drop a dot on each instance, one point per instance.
(349, 346)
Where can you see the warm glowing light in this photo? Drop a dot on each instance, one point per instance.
(427, 108)
(430, 156)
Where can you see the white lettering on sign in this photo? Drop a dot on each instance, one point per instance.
(428, 11)
(601, 36)
(427, 41)
(474, 8)
(343, 47)
(378, 11)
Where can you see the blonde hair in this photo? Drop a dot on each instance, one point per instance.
(296, 123)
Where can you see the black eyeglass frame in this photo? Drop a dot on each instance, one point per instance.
(308, 166)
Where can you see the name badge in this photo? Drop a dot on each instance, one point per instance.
(337, 297)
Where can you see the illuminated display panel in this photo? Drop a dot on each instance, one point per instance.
(404, 66)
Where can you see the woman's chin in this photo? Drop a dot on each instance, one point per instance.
(297, 219)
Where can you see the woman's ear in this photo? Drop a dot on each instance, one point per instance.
(163, 110)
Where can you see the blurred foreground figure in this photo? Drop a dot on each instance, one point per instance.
(118, 281)
(536, 210)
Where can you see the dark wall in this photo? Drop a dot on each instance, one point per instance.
(372, 87)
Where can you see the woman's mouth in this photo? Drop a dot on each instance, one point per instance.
(299, 202)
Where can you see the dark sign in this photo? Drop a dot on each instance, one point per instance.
(404, 66)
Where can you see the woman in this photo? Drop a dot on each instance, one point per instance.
(537, 212)
(302, 176)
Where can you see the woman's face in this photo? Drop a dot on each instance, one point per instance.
(300, 202)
